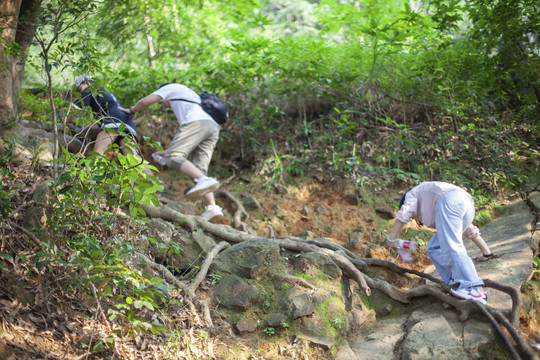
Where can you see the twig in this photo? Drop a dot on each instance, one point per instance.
(26, 232)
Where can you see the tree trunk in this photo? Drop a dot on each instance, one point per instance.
(18, 21)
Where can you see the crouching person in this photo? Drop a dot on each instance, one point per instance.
(450, 210)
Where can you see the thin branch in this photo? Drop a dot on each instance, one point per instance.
(26, 232)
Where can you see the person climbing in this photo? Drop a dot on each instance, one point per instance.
(111, 119)
(196, 138)
(450, 210)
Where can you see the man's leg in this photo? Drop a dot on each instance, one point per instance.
(103, 140)
(188, 140)
(187, 168)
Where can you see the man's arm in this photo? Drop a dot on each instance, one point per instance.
(144, 103)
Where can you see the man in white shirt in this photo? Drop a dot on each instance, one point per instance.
(197, 137)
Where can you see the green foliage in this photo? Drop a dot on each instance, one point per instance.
(266, 301)
(121, 184)
(536, 262)
(270, 331)
(275, 167)
(7, 146)
(98, 189)
(214, 279)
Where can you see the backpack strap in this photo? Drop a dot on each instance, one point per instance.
(189, 101)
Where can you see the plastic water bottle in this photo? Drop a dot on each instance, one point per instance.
(159, 159)
(408, 244)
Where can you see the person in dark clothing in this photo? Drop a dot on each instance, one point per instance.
(106, 106)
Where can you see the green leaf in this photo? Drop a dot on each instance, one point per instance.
(41, 264)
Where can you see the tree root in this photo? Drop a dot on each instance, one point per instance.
(293, 280)
(522, 345)
(499, 331)
(341, 261)
(514, 294)
(162, 271)
(353, 266)
(190, 290)
(193, 310)
(206, 313)
(240, 210)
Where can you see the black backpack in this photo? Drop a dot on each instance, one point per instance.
(212, 105)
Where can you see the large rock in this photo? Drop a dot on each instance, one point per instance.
(173, 246)
(37, 215)
(295, 303)
(478, 337)
(233, 293)
(248, 258)
(432, 338)
(379, 343)
(314, 263)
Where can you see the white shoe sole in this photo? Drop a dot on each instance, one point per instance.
(201, 192)
(481, 300)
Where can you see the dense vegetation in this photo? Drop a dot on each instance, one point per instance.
(430, 89)
(377, 92)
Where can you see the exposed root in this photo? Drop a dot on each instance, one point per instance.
(206, 313)
(190, 290)
(293, 280)
(353, 266)
(499, 331)
(162, 271)
(240, 210)
(514, 294)
(194, 312)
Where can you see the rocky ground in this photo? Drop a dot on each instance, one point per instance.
(40, 321)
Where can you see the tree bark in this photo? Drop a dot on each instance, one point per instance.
(18, 21)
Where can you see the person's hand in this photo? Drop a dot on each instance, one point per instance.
(402, 244)
(127, 111)
(405, 256)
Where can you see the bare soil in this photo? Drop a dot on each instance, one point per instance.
(40, 320)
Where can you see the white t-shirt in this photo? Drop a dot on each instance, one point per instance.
(421, 201)
(185, 111)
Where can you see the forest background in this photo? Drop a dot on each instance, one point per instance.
(445, 83)
(381, 94)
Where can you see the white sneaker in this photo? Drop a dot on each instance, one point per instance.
(472, 293)
(204, 186)
(213, 214)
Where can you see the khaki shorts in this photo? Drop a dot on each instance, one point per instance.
(195, 141)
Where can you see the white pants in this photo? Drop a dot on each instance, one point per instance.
(454, 212)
